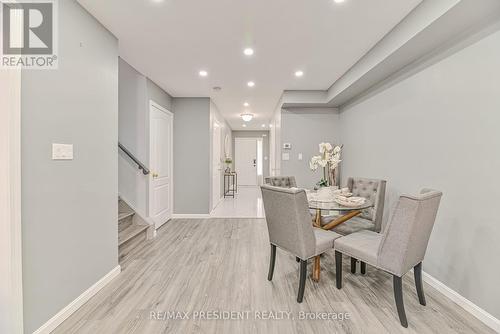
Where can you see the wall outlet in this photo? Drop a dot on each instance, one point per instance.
(62, 152)
(287, 146)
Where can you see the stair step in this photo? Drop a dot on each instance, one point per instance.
(125, 223)
(123, 215)
(130, 232)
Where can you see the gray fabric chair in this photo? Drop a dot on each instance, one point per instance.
(369, 219)
(399, 248)
(281, 181)
(289, 225)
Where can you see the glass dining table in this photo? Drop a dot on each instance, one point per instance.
(344, 213)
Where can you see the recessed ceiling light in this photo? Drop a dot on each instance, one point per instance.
(339, 1)
(251, 84)
(263, 125)
(203, 73)
(299, 73)
(248, 51)
(270, 125)
(247, 117)
(246, 104)
(244, 125)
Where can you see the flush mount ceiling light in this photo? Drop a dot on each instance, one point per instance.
(270, 125)
(299, 74)
(251, 84)
(247, 117)
(263, 125)
(203, 73)
(248, 51)
(244, 125)
(246, 104)
(338, 1)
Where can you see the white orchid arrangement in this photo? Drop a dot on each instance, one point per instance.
(328, 159)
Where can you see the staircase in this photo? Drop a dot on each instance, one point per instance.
(132, 231)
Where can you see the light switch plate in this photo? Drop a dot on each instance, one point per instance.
(285, 156)
(300, 156)
(62, 151)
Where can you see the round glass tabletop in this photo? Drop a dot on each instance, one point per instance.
(334, 206)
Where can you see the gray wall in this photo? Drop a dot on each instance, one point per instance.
(135, 92)
(265, 146)
(439, 129)
(305, 129)
(69, 208)
(191, 155)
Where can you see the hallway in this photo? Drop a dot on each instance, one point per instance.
(246, 204)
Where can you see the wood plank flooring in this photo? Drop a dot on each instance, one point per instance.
(221, 265)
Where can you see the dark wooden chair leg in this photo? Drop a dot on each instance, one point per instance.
(417, 271)
(398, 296)
(338, 269)
(353, 265)
(363, 268)
(302, 280)
(297, 259)
(271, 263)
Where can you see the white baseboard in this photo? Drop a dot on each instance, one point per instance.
(64, 314)
(463, 302)
(191, 216)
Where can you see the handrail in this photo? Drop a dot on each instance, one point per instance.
(145, 170)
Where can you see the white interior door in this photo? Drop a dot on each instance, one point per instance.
(216, 164)
(246, 161)
(160, 181)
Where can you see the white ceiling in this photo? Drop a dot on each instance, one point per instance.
(170, 41)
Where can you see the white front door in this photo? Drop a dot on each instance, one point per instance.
(246, 161)
(216, 164)
(160, 181)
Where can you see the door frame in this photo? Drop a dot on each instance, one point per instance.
(235, 150)
(150, 179)
(11, 284)
(214, 201)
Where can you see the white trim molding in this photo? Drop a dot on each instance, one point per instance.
(488, 319)
(64, 314)
(11, 286)
(190, 216)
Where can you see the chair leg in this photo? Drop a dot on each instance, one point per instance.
(353, 265)
(271, 263)
(338, 269)
(297, 259)
(302, 280)
(363, 268)
(398, 296)
(417, 271)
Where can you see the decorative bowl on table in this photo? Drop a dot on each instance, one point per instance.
(350, 201)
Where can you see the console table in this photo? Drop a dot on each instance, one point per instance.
(230, 184)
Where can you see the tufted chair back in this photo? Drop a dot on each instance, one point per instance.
(373, 190)
(408, 231)
(288, 220)
(281, 181)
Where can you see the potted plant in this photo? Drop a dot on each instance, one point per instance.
(328, 159)
(228, 161)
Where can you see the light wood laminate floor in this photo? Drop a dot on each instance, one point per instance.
(221, 265)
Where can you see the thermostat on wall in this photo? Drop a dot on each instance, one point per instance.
(287, 146)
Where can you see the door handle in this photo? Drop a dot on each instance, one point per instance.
(254, 162)
(155, 175)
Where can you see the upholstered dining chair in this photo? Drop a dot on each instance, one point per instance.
(281, 181)
(289, 225)
(399, 248)
(369, 219)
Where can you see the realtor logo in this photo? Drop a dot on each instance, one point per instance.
(29, 36)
